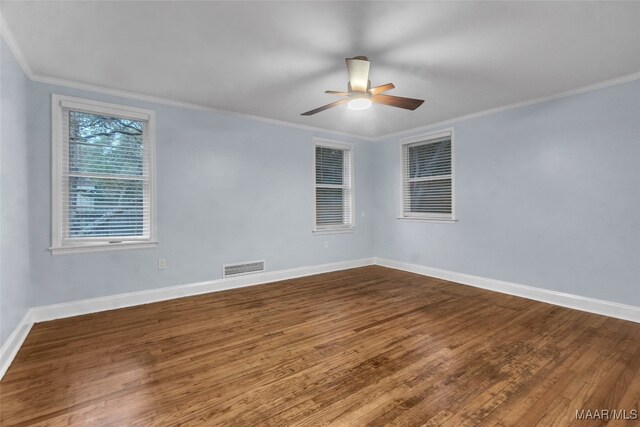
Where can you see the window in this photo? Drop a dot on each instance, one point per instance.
(427, 177)
(333, 187)
(102, 176)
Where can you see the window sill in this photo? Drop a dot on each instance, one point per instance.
(436, 220)
(334, 231)
(100, 247)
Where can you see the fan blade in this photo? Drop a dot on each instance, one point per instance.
(398, 101)
(379, 89)
(335, 92)
(358, 68)
(326, 107)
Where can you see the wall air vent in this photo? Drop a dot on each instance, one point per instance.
(230, 270)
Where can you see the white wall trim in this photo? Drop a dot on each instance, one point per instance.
(94, 305)
(8, 36)
(20, 58)
(14, 342)
(577, 302)
(102, 247)
(455, 120)
(449, 122)
(180, 104)
(112, 302)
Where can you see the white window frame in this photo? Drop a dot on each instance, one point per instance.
(60, 245)
(428, 217)
(335, 229)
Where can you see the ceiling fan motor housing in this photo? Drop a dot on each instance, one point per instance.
(358, 68)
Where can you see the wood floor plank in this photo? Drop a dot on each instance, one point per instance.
(366, 346)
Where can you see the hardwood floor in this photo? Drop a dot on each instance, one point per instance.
(367, 346)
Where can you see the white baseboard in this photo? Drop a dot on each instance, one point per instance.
(111, 302)
(14, 342)
(591, 305)
(94, 305)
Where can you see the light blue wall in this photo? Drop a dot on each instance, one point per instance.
(547, 195)
(15, 297)
(228, 189)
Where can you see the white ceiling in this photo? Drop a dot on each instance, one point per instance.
(275, 59)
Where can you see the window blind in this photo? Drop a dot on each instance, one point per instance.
(333, 187)
(427, 178)
(105, 177)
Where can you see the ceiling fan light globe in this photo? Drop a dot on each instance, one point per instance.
(359, 103)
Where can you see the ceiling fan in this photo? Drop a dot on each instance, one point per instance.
(361, 94)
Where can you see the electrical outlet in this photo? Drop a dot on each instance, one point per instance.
(162, 263)
(326, 245)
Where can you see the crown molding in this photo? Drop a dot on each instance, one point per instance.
(6, 33)
(38, 78)
(583, 89)
(8, 37)
(449, 122)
